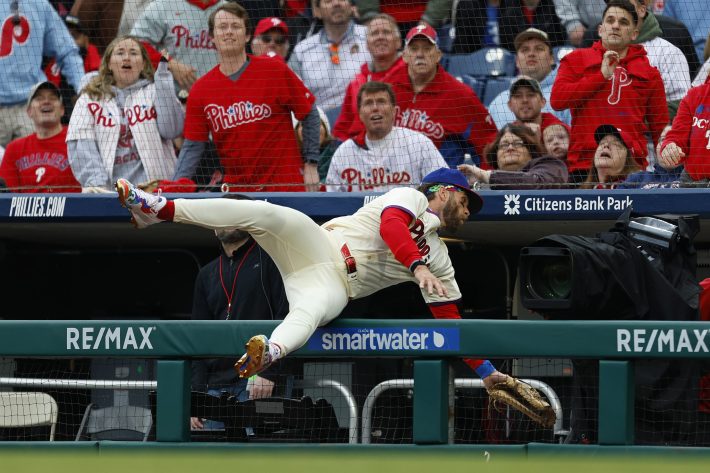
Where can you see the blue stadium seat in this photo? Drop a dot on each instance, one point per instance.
(559, 52)
(495, 86)
(446, 34)
(477, 84)
(486, 62)
(333, 115)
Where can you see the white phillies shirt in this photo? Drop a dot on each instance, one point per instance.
(402, 158)
(377, 267)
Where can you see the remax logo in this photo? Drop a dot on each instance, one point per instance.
(384, 339)
(512, 204)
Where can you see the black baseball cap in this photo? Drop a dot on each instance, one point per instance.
(525, 81)
(454, 177)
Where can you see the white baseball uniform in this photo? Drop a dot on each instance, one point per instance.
(402, 158)
(319, 278)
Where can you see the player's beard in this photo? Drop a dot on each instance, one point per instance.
(231, 236)
(451, 214)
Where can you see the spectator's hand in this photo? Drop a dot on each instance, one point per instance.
(310, 177)
(260, 388)
(609, 63)
(474, 174)
(196, 423)
(576, 35)
(429, 282)
(535, 128)
(95, 190)
(183, 74)
(671, 156)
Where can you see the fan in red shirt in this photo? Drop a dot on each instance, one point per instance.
(688, 141)
(38, 162)
(431, 101)
(383, 42)
(245, 104)
(610, 83)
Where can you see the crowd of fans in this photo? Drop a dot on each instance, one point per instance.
(340, 95)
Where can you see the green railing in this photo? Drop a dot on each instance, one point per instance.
(431, 342)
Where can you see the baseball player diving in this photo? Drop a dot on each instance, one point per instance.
(392, 239)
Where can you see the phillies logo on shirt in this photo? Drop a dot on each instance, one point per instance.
(418, 120)
(417, 232)
(239, 113)
(139, 114)
(12, 33)
(100, 118)
(619, 80)
(375, 178)
(183, 38)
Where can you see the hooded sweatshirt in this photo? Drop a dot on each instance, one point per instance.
(633, 99)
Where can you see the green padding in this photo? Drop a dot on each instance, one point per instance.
(476, 338)
(85, 446)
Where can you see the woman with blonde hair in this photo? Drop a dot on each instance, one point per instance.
(125, 120)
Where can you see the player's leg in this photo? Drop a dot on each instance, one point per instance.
(293, 240)
(316, 296)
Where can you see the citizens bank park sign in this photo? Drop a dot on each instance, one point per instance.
(516, 204)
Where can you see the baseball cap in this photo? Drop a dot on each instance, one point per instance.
(531, 33)
(525, 81)
(267, 24)
(454, 177)
(421, 30)
(41, 86)
(635, 148)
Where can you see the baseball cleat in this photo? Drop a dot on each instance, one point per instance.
(144, 206)
(256, 359)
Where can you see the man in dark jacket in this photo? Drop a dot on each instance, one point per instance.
(241, 284)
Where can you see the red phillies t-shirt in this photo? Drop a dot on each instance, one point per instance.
(32, 164)
(250, 123)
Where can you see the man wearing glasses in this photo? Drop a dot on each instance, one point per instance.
(270, 38)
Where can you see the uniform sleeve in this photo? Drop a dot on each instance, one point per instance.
(171, 115)
(276, 292)
(83, 150)
(299, 99)
(568, 13)
(151, 25)
(410, 200)
(59, 44)
(8, 169)
(196, 126)
(572, 89)
(394, 230)
(682, 125)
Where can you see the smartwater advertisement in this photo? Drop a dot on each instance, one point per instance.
(384, 339)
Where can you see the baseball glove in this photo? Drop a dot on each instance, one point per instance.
(524, 398)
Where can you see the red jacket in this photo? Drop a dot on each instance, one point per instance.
(633, 99)
(348, 123)
(445, 108)
(691, 131)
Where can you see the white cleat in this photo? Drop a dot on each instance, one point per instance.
(144, 206)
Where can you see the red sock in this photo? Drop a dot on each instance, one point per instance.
(167, 213)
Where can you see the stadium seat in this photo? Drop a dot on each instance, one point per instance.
(28, 409)
(476, 84)
(495, 86)
(115, 423)
(559, 52)
(333, 115)
(486, 62)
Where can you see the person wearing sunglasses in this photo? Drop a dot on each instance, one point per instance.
(270, 38)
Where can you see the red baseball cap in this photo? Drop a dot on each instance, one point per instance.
(421, 30)
(267, 24)
(636, 149)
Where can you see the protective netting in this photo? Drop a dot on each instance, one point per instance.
(211, 118)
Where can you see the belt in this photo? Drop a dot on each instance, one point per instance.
(349, 259)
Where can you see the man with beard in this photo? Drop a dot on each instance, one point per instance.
(241, 284)
(391, 240)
